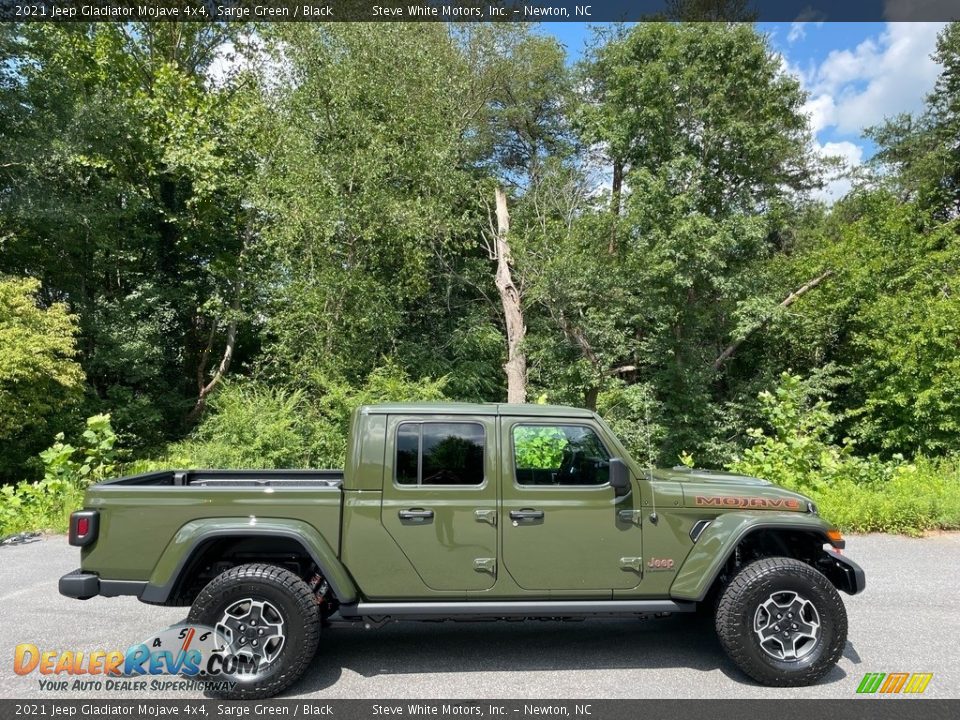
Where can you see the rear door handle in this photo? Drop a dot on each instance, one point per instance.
(521, 515)
(416, 514)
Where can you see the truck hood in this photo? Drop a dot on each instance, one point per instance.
(685, 474)
(723, 491)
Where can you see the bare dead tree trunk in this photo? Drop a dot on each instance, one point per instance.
(516, 365)
(787, 302)
(204, 388)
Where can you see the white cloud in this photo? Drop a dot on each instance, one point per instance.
(881, 77)
(856, 88)
(838, 184)
(821, 111)
(798, 28)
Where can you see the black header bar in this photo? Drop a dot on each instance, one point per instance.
(477, 10)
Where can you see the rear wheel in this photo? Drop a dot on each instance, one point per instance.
(270, 622)
(782, 622)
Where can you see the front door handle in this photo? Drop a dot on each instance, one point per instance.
(416, 514)
(521, 515)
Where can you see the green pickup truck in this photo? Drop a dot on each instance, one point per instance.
(463, 512)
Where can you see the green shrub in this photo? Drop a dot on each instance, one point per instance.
(252, 425)
(861, 494)
(47, 504)
(40, 379)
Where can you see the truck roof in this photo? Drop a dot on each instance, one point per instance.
(460, 408)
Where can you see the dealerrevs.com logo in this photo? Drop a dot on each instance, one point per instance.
(894, 683)
(198, 655)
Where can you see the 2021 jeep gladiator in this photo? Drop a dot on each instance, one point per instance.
(470, 511)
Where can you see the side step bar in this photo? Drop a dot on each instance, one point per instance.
(441, 610)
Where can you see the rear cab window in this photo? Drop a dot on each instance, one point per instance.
(446, 454)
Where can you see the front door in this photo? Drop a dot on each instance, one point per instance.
(440, 499)
(563, 527)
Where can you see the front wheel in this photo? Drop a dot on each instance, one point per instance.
(782, 622)
(270, 622)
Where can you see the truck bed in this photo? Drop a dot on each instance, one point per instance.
(234, 478)
(135, 511)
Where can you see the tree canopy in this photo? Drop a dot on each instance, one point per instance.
(224, 236)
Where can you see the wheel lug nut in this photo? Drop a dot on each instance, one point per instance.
(260, 632)
(254, 643)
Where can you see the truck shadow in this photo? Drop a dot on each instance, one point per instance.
(411, 648)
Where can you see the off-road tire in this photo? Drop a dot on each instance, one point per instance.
(739, 604)
(295, 602)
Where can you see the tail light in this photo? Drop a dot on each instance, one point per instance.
(84, 526)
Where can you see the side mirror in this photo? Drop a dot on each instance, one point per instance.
(619, 477)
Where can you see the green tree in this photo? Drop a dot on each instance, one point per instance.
(122, 175)
(365, 178)
(881, 333)
(921, 151)
(708, 151)
(40, 380)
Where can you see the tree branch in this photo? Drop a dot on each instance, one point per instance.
(787, 302)
(205, 357)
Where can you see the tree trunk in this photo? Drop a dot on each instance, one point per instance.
(516, 365)
(590, 396)
(204, 389)
(615, 194)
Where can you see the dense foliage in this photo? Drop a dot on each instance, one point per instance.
(40, 381)
(67, 470)
(227, 237)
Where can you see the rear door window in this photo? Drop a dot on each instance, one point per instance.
(433, 454)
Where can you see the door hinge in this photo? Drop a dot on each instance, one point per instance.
(630, 516)
(487, 516)
(485, 565)
(631, 563)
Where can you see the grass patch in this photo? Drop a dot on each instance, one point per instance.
(923, 495)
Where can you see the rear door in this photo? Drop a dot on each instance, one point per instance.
(563, 529)
(440, 498)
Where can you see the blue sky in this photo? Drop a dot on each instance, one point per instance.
(855, 74)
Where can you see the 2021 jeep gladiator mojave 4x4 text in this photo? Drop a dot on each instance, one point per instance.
(464, 511)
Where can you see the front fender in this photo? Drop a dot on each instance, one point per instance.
(176, 556)
(714, 546)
